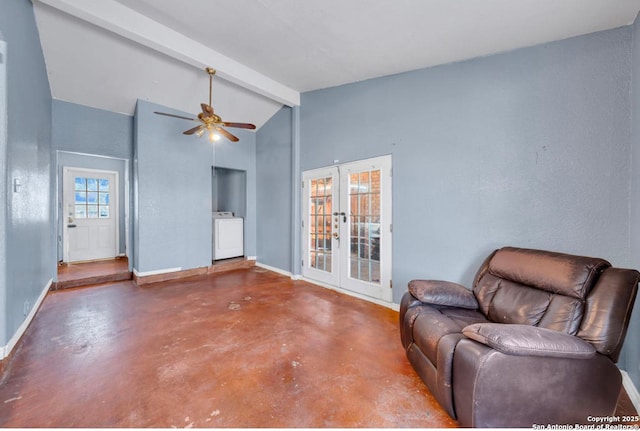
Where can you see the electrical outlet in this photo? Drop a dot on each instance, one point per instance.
(26, 309)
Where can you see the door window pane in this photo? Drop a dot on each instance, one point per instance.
(80, 183)
(320, 227)
(364, 200)
(103, 199)
(103, 185)
(81, 198)
(92, 184)
(92, 211)
(103, 212)
(91, 197)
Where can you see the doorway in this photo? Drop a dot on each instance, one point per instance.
(347, 227)
(90, 214)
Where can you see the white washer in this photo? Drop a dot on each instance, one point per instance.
(228, 235)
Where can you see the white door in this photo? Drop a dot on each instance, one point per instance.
(320, 226)
(90, 211)
(347, 227)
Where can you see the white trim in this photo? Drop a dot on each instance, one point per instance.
(391, 305)
(631, 389)
(129, 24)
(6, 350)
(251, 257)
(156, 272)
(58, 207)
(274, 269)
(66, 169)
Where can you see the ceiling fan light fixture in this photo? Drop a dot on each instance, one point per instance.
(209, 120)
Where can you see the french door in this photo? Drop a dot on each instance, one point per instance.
(347, 226)
(90, 214)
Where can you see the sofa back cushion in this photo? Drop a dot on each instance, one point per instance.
(549, 271)
(538, 288)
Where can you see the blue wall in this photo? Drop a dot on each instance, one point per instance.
(527, 148)
(28, 236)
(172, 190)
(239, 156)
(273, 153)
(630, 358)
(82, 129)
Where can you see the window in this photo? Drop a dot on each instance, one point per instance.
(91, 197)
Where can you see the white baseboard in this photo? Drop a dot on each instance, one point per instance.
(631, 389)
(279, 271)
(251, 257)
(5, 351)
(274, 269)
(156, 272)
(390, 305)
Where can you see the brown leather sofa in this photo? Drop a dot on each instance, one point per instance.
(535, 341)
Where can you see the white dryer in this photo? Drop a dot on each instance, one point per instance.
(228, 235)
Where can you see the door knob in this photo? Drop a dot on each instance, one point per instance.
(344, 216)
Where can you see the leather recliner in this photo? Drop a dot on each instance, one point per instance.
(535, 341)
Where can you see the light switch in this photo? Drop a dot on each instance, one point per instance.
(17, 185)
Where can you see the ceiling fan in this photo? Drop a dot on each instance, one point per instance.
(211, 122)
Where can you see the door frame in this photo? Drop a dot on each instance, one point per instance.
(115, 202)
(335, 280)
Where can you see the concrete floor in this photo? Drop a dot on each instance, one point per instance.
(246, 348)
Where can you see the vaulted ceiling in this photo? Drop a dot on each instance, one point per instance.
(107, 53)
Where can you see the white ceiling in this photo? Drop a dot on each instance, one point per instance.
(107, 53)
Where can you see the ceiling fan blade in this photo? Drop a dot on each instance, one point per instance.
(239, 125)
(227, 135)
(207, 110)
(192, 131)
(175, 116)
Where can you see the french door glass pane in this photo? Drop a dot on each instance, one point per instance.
(364, 202)
(320, 224)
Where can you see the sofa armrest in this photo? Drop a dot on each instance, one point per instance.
(526, 340)
(443, 293)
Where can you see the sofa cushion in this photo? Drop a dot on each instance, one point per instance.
(553, 272)
(443, 293)
(525, 340)
(435, 322)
